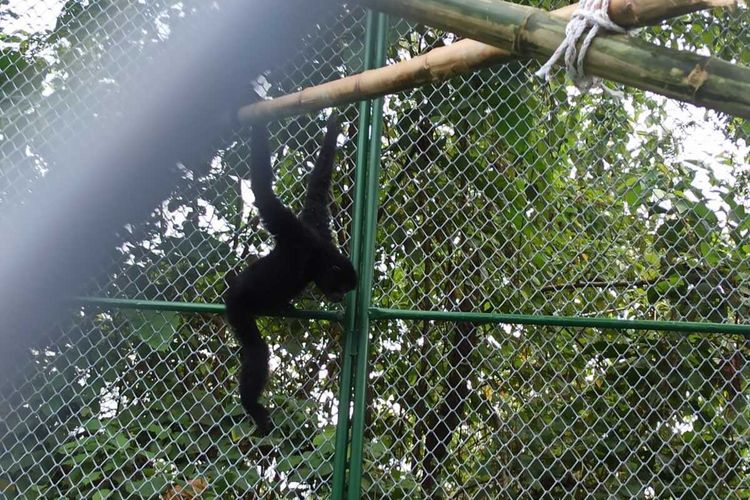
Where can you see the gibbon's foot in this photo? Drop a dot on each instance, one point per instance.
(262, 419)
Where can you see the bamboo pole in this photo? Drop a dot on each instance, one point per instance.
(445, 62)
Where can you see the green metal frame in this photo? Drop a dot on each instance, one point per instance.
(197, 307)
(366, 263)
(380, 313)
(359, 311)
(351, 343)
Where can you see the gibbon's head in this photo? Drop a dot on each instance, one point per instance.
(335, 275)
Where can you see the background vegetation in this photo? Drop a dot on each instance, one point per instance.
(498, 193)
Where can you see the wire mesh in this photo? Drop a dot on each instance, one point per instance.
(501, 194)
(528, 412)
(58, 59)
(498, 194)
(143, 404)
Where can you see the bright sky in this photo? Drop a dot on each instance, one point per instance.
(35, 16)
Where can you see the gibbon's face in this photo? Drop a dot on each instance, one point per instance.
(336, 277)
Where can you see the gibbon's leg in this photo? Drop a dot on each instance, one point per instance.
(315, 212)
(240, 299)
(254, 375)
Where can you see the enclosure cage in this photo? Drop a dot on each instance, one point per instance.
(553, 297)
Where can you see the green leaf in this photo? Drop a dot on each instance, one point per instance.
(539, 259)
(633, 195)
(69, 447)
(293, 346)
(313, 460)
(289, 463)
(712, 256)
(325, 438)
(11, 64)
(101, 494)
(90, 477)
(148, 488)
(607, 349)
(682, 205)
(377, 450)
(79, 458)
(93, 425)
(325, 469)
(156, 328)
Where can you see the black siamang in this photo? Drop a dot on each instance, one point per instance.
(304, 252)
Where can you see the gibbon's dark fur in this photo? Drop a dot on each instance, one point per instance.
(304, 252)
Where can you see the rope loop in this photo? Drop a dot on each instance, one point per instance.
(591, 16)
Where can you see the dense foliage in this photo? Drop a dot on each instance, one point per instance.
(498, 194)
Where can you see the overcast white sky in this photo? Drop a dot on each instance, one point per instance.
(34, 15)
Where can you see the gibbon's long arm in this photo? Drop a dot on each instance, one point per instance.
(316, 212)
(278, 219)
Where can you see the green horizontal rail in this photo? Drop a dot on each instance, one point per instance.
(381, 313)
(571, 321)
(197, 307)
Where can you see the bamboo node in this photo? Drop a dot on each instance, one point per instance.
(697, 77)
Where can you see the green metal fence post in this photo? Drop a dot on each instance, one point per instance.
(364, 289)
(350, 342)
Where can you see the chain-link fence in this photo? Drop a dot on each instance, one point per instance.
(554, 278)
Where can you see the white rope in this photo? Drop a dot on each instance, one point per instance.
(590, 15)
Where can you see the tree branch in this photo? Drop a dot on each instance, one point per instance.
(598, 284)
